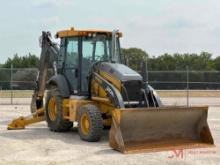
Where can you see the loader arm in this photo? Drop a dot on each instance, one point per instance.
(113, 94)
(48, 58)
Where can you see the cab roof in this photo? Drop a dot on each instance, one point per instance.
(73, 32)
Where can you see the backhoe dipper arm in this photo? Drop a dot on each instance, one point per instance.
(48, 58)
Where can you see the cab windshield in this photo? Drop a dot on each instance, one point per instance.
(99, 48)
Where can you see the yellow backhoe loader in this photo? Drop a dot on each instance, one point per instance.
(92, 86)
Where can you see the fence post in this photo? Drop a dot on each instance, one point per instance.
(187, 86)
(147, 74)
(11, 85)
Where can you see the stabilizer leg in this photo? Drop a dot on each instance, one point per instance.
(21, 122)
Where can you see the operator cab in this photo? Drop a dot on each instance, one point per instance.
(79, 50)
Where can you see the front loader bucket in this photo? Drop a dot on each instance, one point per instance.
(157, 129)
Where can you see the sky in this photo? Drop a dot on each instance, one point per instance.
(157, 26)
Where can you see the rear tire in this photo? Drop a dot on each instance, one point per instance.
(54, 112)
(90, 126)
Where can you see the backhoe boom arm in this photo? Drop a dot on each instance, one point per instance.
(48, 58)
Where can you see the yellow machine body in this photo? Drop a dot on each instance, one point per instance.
(136, 129)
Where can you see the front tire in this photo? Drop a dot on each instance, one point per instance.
(90, 126)
(54, 112)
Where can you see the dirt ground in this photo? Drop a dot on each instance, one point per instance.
(37, 145)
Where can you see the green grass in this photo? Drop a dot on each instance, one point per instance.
(16, 93)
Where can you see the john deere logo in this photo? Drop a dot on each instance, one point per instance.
(109, 91)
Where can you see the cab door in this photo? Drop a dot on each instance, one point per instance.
(71, 64)
(92, 51)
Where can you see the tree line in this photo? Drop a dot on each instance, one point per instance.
(171, 62)
(135, 56)
(27, 61)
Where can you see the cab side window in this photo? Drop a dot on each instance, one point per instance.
(71, 64)
(72, 54)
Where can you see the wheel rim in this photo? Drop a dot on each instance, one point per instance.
(84, 124)
(52, 109)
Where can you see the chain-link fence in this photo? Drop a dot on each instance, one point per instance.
(17, 85)
(176, 80)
